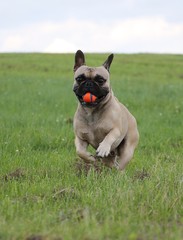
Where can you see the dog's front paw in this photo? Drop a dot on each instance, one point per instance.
(103, 150)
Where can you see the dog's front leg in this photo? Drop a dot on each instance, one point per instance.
(81, 150)
(112, 139)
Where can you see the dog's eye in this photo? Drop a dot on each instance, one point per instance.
(100, 80)
(80, 79)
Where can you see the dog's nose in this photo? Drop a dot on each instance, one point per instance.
(88, 84)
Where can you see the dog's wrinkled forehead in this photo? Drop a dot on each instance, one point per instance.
(91, 72)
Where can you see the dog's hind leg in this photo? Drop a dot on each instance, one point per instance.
(126, 149)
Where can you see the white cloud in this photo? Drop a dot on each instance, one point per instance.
(60, 45)
(132, 35)
(12, 42)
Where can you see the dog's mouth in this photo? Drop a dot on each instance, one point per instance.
(90, 104)
(99, 93)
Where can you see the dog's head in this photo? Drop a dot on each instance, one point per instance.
(94, 80)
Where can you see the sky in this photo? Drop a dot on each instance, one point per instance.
(119, 26)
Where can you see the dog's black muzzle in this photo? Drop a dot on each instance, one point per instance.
(93, 88)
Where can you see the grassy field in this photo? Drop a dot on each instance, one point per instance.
(46, 194)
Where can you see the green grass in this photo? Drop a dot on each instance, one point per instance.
(43, 194)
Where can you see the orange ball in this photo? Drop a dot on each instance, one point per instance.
(88, 97)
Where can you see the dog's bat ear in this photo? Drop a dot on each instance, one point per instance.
(108, 62)
(79, 60)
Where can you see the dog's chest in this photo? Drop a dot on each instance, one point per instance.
(94, 132)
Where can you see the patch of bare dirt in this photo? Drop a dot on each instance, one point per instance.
(141, 175)
(84, 168)
(35, 237)
(15, 175)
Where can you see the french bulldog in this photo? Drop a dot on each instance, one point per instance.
(105, 124)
